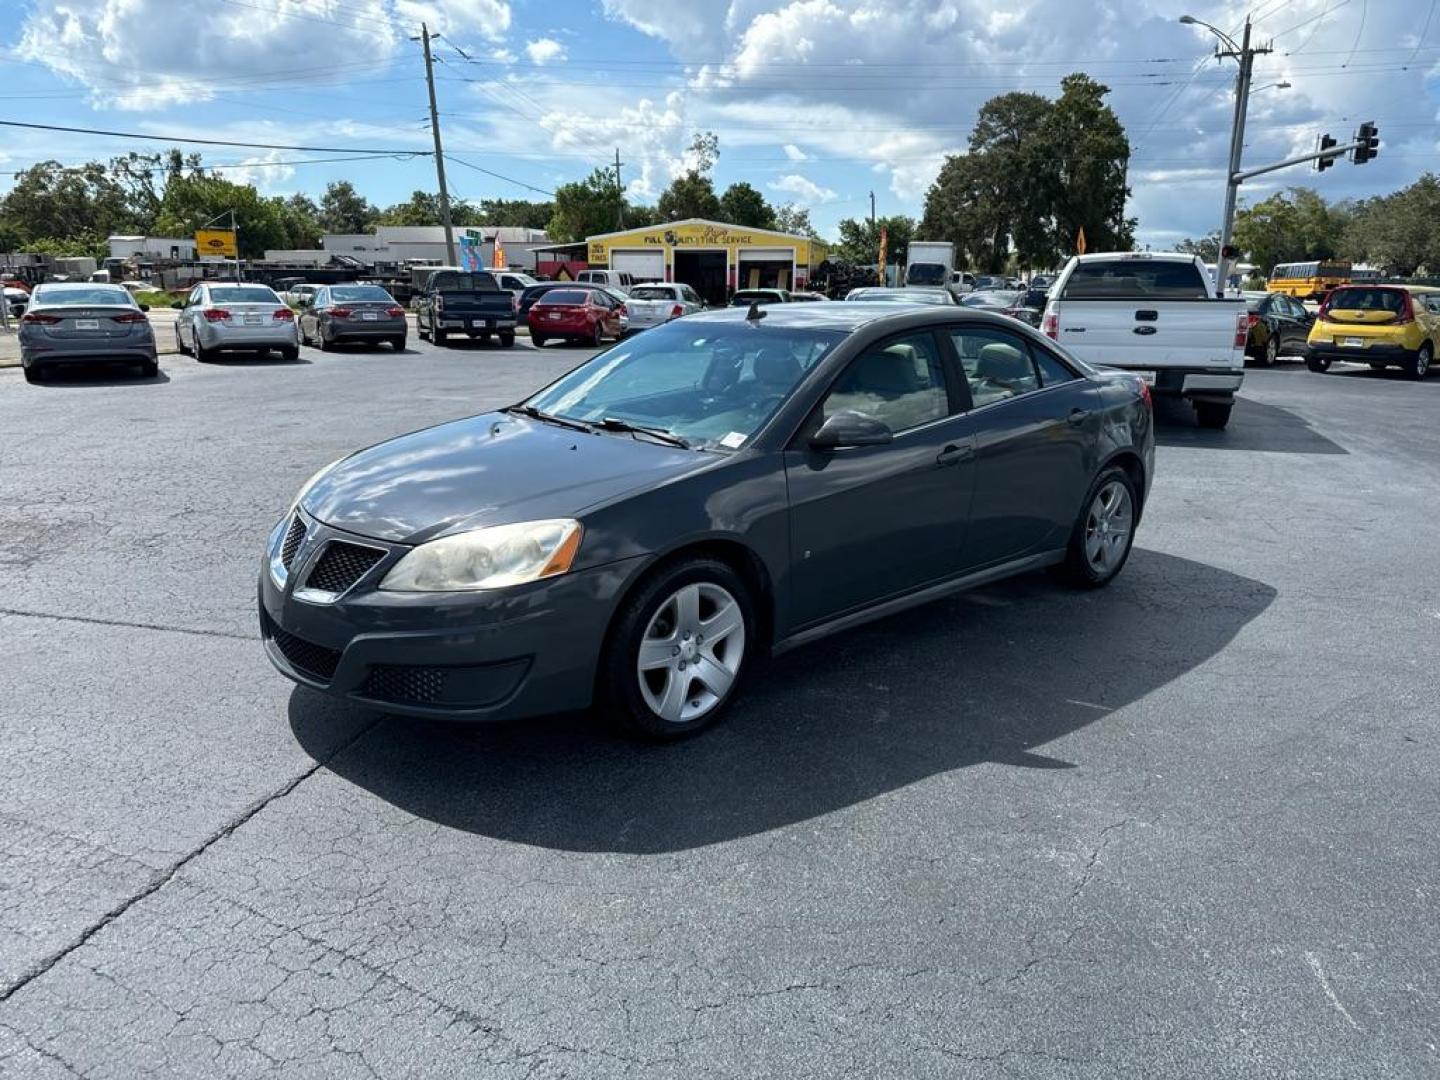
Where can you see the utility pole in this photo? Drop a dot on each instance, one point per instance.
(620, 207)
(1245, 53)
(872, 210)
(439, 153)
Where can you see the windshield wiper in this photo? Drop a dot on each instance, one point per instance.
(614, 423)
(549, 418)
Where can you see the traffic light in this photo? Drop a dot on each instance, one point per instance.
(1368, 136)
(1326, 142)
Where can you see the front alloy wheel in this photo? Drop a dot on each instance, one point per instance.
(678, 650)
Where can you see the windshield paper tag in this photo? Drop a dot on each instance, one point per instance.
(733, 441)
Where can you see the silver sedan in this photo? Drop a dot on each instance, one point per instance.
(80, 323)
(234, 316)
(653, 304)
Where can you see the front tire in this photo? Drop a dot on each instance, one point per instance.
(180, 346)
(1418, 366)
(1213, 414)
(678, 650)
(1103, 535)
(437, 335)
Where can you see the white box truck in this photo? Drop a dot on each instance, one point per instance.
(929, 263)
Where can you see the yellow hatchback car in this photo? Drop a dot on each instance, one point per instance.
(1380, 325)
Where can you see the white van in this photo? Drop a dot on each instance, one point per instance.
(615, 279)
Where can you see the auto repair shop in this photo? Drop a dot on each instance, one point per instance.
(711, 257)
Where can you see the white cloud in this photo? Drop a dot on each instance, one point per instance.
(261, 173)
(502, 55)
(488, 18)
(794, 153)
(805, 189)
(543, 50)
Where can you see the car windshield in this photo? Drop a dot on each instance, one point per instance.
(98, 294)
(242, 294)
(651, 292)
(713, 385)
(1362, 299)
(563, 296)
(360, 292)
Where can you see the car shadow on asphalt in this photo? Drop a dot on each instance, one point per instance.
(253, 360)
(996, 675)
(72, 376)
(1253, 426)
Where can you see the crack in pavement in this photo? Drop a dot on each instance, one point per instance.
(19, 613)
(164, 877)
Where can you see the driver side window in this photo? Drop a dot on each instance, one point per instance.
(900, 382)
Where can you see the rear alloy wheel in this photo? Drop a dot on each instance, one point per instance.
(1101, 540)
(507, 338)
(1418, 366)
(1213, 414)
(678, 650)
(1272, 350)
(597, 337)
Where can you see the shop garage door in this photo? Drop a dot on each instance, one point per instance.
(767, 268)
(643, 265)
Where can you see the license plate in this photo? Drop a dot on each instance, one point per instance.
(368, 316)
(254, 320)
(556, 315)
(87, 324)
(1353, 342)
(1147, 377)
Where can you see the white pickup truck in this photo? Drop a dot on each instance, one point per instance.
(1157, 315)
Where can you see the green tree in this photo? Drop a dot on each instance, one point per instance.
(586, 208)
(191, 202)
(1399, 232)
(966, 205)
(1294, 225)
(795, 220)
(1089, 153)
(860, 240)
(690, 195)
(301, 219)
(50, 201)
(345, 210)
(422, 208)
(742, 204)
(516, 212)
(1207, 247)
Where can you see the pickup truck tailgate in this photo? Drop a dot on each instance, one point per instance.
(1133, 333)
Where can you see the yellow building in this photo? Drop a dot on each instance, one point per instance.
(711, 257)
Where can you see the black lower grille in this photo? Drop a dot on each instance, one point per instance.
(294, 537)
(342, 565)
(405, 683)
(305, 656)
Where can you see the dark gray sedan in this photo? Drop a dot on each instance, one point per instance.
(732, 484)
(69, 323)
(337, 313)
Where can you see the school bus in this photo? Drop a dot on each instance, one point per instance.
(1308, 280)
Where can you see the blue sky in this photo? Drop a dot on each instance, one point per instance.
(818, 102)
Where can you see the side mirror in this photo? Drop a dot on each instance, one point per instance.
(849, 428)
(178, 305)
(144, 307)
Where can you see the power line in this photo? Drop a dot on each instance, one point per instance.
(499, 176)
(215, 142)
(206, 167)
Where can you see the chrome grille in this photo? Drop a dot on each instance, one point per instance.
(341, 565)
(294, 537)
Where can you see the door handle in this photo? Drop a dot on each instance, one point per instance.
(1078, 416)
(952, 455)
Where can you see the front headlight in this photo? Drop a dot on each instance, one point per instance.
(488, 558)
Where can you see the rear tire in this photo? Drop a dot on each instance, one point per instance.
(150, 369)
(326, 345)
(1318, 364)
(1213, 414)
(537, 340)
(398, 344)
(659, 677)
(202, 354)
(597, 337)
(34, 374)
(1418, 366)
(290, 354)
(1098, 550)
(507, 338)
(1272, 351)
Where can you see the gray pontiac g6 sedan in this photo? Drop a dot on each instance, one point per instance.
(730, 485)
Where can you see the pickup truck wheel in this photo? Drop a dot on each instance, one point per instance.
(437, 335)
(1103, 534)
(1318, 364)
(1418, 366)
(507, 338)
(1213, 414)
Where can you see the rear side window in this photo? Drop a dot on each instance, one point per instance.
(1139, 278)
(1368, 299)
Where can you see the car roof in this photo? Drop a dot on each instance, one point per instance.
(844, 315)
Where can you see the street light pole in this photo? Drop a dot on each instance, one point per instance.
(1245, 54)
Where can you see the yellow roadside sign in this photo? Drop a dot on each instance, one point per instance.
(216, 242)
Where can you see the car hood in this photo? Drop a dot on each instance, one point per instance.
(486, 470)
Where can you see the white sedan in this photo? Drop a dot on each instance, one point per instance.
(652, 304)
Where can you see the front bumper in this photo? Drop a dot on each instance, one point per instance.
(499, 654)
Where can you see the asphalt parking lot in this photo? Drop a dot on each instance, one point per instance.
(1183, 826)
